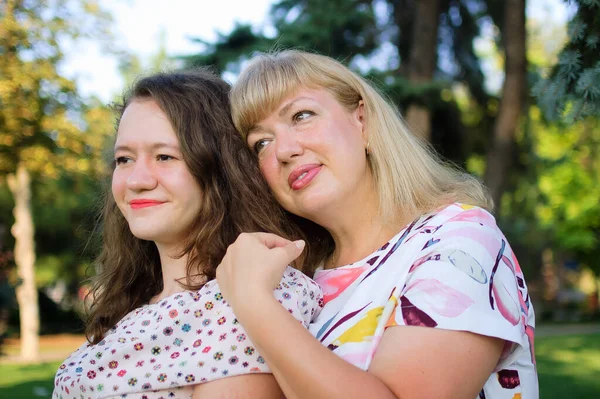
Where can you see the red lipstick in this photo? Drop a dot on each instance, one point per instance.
(303, 175)
(143, 203)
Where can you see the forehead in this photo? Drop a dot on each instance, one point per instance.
(145, 122)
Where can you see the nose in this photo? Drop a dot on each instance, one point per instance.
(142, 177)
(287, 145)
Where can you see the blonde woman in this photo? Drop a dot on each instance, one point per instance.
(423, 296)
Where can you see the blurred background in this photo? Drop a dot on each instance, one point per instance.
(509, 90)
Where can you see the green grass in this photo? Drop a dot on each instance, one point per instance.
(568, 367)
(27, 381)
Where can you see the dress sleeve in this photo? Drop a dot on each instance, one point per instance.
(209, 343)
(466, 278)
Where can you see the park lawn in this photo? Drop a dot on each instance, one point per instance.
(27, 381)
(568, 367)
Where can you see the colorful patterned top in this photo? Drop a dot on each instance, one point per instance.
(452, 270)
(161, 350)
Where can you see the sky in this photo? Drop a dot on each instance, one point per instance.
(138, 24)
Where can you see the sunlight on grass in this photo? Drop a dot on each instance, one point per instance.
(568, 367)
(12, 374)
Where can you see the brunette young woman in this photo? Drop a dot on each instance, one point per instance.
(183, 188)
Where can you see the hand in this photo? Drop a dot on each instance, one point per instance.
(253, 266)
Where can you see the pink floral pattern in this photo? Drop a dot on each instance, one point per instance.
(162, 350)
(452, 269)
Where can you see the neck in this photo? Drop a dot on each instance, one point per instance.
(173, 271)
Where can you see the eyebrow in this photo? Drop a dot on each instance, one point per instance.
(154, 146)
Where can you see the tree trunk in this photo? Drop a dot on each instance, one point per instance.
(24, 255)
(422, 62)
(499, 156)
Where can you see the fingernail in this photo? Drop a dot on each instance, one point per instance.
(300, 244)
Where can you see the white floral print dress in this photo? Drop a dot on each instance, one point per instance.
(162, 350)
(453, 270)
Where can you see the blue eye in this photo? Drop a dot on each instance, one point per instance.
(302, 115)
(260, 145)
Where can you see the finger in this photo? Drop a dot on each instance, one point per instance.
(271, 240)
(288, 253)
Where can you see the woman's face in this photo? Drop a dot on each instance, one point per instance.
(151, 183)
(311, 151)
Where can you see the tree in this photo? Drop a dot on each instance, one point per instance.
(423, 60)
(513, 95)
(41, 119)
(572, 88)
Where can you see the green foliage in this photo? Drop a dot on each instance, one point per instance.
(48, 127)
(572, 88)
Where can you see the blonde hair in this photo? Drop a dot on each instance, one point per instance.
(409, 176)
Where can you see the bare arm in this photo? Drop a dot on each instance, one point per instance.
(247, 386)
(411, 362)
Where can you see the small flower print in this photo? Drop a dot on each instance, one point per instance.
(206, 349)
(173, 313)
(177, 342)
(162, 377)
(218, 296)
(190, 378)
(131, 382)
(91, 374)
(146, 323)
(168, 331)
(186, 327)
(208, 305)
(223, 337)
(218, 355)
(138, 347)
(206, 322)
(198, 313)
(79, 369)
(286, 295)
(155, 350)
(233, 360)
(113, 365)
(249, 350)
(260, 359)
(146, 386)
(241, 337)
(121, 373)
(221, 320)
(174, 355)
(197, 343)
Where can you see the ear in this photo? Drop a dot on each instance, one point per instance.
(359, 114)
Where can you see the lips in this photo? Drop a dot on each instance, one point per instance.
(303, 175)
(144, 203)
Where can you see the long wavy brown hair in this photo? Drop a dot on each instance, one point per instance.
(235, 198)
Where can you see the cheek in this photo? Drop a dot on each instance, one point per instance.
(118, 185)
(269, 168)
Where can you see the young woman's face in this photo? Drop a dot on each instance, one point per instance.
(311, 151)
(151, 183)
